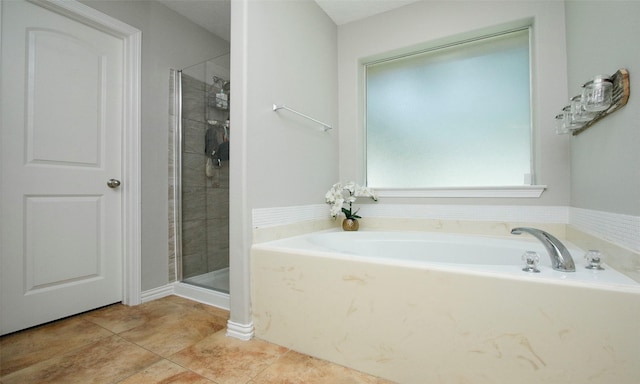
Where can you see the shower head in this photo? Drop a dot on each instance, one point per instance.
(221, 83)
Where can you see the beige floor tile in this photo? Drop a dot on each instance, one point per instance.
(105, 361)
(173, 331)
(226, 360)
(125, 345)
(22, 349)
(172, 304)
(294, 368)
(117, 318)
(166, 372)
(166, 306)
(194, 305)
(166, 337)
(120, 318)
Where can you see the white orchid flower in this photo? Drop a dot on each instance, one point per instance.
(366, 192)
(336, 196)
(336, 208)
(351, 187)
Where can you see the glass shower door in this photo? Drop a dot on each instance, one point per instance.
(202, 199)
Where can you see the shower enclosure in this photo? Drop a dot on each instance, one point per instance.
(199, 178)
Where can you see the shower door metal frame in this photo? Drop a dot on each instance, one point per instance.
(203, 295)
(177, 173)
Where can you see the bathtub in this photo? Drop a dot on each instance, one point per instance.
(462, 253)
(419, 307)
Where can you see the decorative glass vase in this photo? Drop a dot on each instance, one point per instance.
(350, 224)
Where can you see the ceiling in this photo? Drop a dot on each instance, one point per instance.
(214, 15)
(346, 11)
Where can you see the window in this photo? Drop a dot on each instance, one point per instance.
(454, 116)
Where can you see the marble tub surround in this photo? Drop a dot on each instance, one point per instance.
(490, 228)
(624, 260)
(261, 235)
(422, 325)
(169, 340)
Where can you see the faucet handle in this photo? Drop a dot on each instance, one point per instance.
(531, 260)
(594, 258)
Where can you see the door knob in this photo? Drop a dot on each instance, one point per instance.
(113, 183)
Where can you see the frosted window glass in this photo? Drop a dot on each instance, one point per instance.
(452, 117)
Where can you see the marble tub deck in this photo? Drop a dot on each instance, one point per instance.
(169, 340)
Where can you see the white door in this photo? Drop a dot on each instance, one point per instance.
(62, 116)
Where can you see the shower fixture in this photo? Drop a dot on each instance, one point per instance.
(221, 83)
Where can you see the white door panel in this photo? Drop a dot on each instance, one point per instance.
(58, 62)
(62, 97)
(47, 247)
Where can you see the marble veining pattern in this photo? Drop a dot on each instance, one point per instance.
(439, 325)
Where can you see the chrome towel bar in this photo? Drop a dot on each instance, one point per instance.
(325, 126)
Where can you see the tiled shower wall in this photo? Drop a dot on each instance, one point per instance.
(205, 200)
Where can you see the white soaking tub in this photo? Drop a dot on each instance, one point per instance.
(420, 307)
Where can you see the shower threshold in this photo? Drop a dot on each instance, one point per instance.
(216, 280)
(210, 288)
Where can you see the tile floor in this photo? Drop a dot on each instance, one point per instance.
(169, 340)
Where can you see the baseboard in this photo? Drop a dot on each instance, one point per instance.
(243, 332)
(157, 293)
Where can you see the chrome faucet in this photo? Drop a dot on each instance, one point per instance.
(561, 259)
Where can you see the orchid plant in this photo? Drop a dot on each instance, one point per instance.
(340, 194)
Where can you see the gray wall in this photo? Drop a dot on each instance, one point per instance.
(291, 60)
(168, 41)
(602, 37)
(285, 53)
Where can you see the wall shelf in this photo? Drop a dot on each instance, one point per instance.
(620, 96)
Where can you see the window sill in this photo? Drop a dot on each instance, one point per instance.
(519, 191)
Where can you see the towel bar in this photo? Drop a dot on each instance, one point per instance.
(326, 126)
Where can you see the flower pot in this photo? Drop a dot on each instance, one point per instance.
(350, 224)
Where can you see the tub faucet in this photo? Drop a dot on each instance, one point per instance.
(561, 259)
